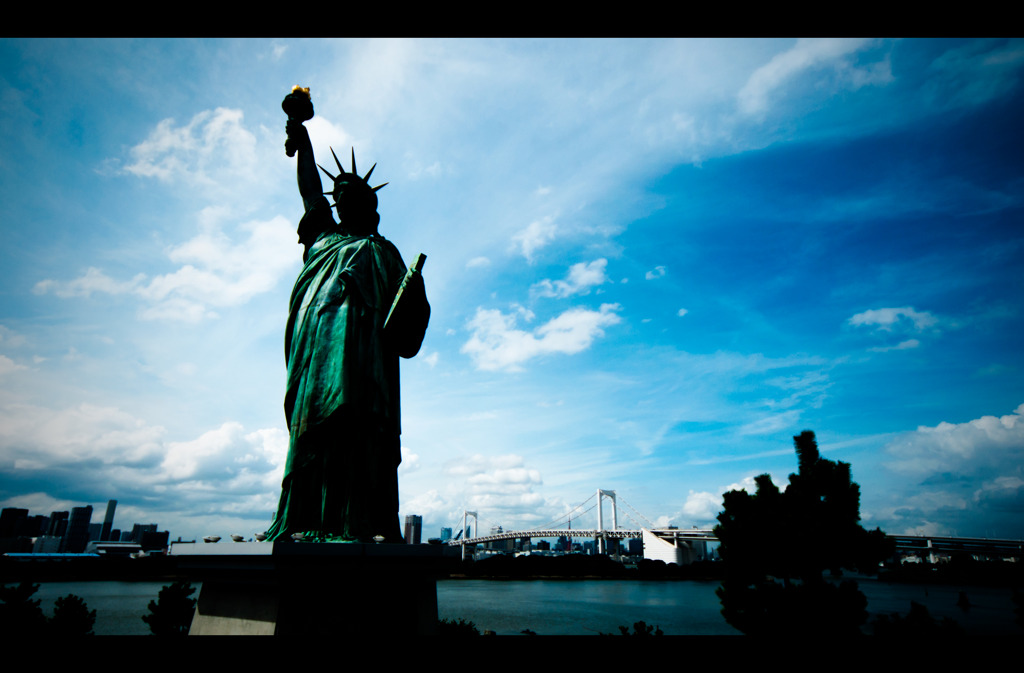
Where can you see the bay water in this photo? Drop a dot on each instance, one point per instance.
(580, 607)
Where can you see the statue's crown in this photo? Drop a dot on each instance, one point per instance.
(349, 178)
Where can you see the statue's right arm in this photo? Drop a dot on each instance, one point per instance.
(309, 179)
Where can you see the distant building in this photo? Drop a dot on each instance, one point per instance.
(413, 528)
(11, 520)
(154, 540)
(12, 525)
(108, 521)
(58, 526)
(137, 532)
(47, 544)
(110, 548)
(446, 534)
(78, 530)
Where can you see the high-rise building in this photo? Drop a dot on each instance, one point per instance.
(58, 525)
(11, 521)
(137, 531)
(78, 530)
(108, 520)
(446, 534)
(413, 528)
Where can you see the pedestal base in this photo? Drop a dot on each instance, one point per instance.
(295, 588)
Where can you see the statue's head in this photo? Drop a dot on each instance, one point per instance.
(355, 200)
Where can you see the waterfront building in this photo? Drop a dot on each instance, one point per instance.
(413, 528)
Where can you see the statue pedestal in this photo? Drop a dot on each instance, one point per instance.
(306, 589)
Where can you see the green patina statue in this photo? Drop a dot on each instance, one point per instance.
(354, 310)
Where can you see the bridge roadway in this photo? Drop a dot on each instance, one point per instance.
(904, 543)
(933, 544)
(621, 534)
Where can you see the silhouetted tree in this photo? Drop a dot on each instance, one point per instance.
(776, 545)
(20, 616)
(171, 614)
(456, 629)
(641, 628)
(917, 623)
(72, 617)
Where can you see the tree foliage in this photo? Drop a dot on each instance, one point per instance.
(20, 615)
(641, 628)
(776, 545)
(171, 614)
(450, 628)
(917, 624)
(72, 617)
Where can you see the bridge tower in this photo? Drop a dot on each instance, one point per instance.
(476, 524)
(600, 517)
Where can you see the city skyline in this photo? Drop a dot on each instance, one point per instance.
(651, 263)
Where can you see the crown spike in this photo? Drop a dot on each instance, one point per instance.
(340, 169)
(354, 172)
(366, 178)
(379, 186)
(327, 172)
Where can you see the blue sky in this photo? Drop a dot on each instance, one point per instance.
(650, 262)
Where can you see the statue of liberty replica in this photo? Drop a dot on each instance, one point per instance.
(354, 310)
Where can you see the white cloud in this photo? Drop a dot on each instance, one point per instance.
(702, 507)
(418, 171)
(901, 346)
(535, 236)
(988, 444)
(656, 272)
(108, 450)
(750, 486)
(478, 262)
(410, 461)
(7, 365)
(212, 146)
(217, 272)
(503, 486)
(771, 423)
(681, 312)
(94, 280)
(887, 318)
(496, 344)
(38, 437)
(579, 280)
(432, 358)
(9, 337)
(807, 54)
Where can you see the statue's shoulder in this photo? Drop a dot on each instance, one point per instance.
(385, 244)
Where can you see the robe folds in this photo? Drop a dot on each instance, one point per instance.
(342, 396)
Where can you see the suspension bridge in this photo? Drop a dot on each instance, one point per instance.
(672, 545)
(681, 545)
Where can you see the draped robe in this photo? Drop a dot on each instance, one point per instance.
(342, 397)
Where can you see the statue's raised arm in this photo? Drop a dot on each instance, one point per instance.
(299, 107)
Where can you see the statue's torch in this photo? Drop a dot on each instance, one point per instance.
(299, 107)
